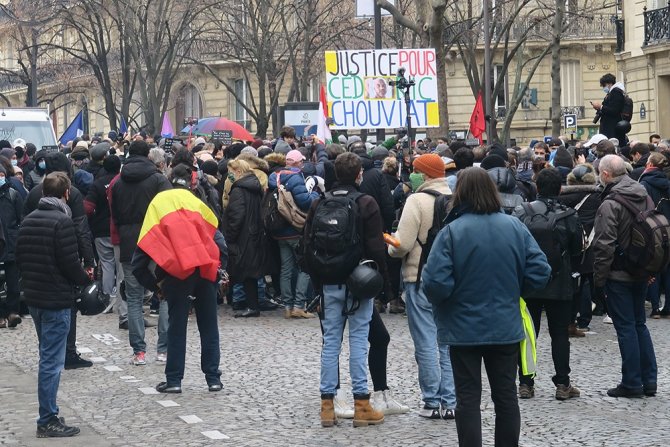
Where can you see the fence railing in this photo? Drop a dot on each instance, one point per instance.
(656, 26)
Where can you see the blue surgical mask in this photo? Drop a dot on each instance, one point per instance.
(42, 164)
(606, 90)
(3, 180)
(15, 162)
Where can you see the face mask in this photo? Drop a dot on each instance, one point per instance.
(3, 180)
(42, 164)
(231, 177)
(606, 90)
(15, 162)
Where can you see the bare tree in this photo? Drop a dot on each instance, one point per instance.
(159, 36)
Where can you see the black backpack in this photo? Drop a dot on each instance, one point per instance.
(272, 219)
(543, 228)
(439, 221)
(333, 246)
(649, 248)
(627, 110)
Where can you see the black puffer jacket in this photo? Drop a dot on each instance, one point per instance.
(374, 184)
(57, 162)
(48, 258)
(611, 113)
(639, 167)
(11, 213)
(243, 229)
(139, 182)
(506, 184)
(571, 196)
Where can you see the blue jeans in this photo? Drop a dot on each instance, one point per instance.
(135, 301)
(176, 293)
(163, 325)
(238, 291)
(293, 282)
(52, 327)
(436, 378)
(333, 322)
(625, 305)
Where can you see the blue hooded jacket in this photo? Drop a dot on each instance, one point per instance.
(295, 184)
(478, 267)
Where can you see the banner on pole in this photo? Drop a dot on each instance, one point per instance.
(360, 96)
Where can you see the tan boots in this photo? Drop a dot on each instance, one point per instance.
(364, 414)
(328, 418)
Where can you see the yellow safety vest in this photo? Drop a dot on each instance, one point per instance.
(528, 350)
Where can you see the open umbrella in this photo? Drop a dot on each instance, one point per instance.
(205, 126)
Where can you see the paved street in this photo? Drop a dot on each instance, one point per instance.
(270, 397)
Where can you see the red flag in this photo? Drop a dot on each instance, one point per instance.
(477, 120)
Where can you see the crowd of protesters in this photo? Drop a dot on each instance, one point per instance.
(112, 199)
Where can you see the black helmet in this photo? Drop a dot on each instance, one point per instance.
(623, 126)
(90, 301)
(365, 282)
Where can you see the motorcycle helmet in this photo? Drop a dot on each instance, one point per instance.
(623, 126)
(90, 300)
(365, 282)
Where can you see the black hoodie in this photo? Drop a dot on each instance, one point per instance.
(375, 185)
(139, 181)
(658, 188)
(58, 162)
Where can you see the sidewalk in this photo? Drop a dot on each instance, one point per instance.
(18, 413)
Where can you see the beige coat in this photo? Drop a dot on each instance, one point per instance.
(258, 166)
(416, 220)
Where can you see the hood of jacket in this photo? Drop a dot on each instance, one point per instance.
(58, 162)
(436, 184)
(657, 179)
(137, 168)
(628, 188)
(620, 86)
(571, 195)
(250, 183)
(503, 178)
(255, 162)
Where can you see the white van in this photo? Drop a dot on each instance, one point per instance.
(33, 124)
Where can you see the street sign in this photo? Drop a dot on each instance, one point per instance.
(225, 137)
(570, 123)
(52, 148)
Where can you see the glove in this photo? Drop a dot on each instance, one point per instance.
(320, 184)
(310, 182)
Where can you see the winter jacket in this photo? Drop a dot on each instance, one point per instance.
(571, 238)
(259, 167)
(415, 221)
(610, 113)
(371, 231)
(295, 184)
(139, 181)
(612, 230)
(507, 189)
(243, 230)
(11, 214)
(658, 188)
(525, 185)
(392, 181)
(639, 167)
(94, 168)
(76, 204)
(571, 196)
(33, 178)
(16, 184)
(374, 184)
(48, 258)
(469, 310)
(97, 206)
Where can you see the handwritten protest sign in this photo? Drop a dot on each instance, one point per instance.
(360, 96)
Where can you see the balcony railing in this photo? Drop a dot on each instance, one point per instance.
(596, 26)
(620, 35)
(656, 26)
(535, 113)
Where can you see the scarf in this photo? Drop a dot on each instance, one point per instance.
(58, 204)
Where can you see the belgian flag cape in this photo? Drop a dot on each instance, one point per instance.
(178, 234)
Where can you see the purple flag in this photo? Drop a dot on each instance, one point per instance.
(167, 131)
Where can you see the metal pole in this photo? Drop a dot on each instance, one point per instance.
(33, 67)
(381, 134)
(487, 70)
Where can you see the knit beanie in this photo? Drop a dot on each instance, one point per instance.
(563, 158)
(492, 161)
(430, 165)
(583, 174)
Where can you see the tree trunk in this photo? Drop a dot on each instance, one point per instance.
(441, 71)
(556, 70)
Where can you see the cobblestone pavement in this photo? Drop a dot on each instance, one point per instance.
(270, 374)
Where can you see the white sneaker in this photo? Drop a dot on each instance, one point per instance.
(386, 403)
(607, 319)
(161, 357)
(342, 410)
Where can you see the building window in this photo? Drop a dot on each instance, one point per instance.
(189, 104)
(314, 87)
(240, 99)
(571, 84)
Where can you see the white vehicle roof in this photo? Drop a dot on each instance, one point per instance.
(23, 114)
